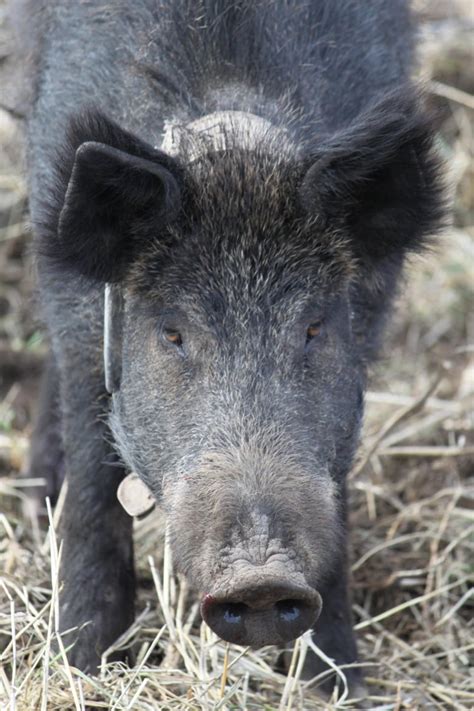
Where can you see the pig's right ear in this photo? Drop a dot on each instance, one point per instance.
(112, 199)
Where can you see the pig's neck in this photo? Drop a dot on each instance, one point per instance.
(217, 131)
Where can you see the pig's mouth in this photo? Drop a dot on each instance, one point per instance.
(265, 612)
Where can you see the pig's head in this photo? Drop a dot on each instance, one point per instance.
(240, 340)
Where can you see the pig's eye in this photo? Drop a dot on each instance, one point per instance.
(173, 337)
(313, 331)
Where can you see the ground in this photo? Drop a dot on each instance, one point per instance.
(412, 493)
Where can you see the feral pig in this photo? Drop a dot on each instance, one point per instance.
(244, 180)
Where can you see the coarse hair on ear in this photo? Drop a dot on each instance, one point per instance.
(382, 176)
(109, 187)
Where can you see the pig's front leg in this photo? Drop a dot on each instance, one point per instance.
(46, 459)
(96, 570)
(334, 635)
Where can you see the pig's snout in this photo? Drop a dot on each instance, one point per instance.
(266, 613)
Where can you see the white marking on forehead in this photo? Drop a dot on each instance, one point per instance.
(215, 132)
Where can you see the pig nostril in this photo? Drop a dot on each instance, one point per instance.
(263, 616)
(226, 619)
(289, 610)
(232, 613)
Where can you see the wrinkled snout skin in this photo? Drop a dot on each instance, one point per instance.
(255, 545)
(232, 516)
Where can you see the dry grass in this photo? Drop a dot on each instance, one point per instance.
(411, 489)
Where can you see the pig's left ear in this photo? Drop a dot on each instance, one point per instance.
(111, 191)
(382, 177)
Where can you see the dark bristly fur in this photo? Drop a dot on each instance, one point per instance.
(383, 174)
(94, 160)
(273, 264)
